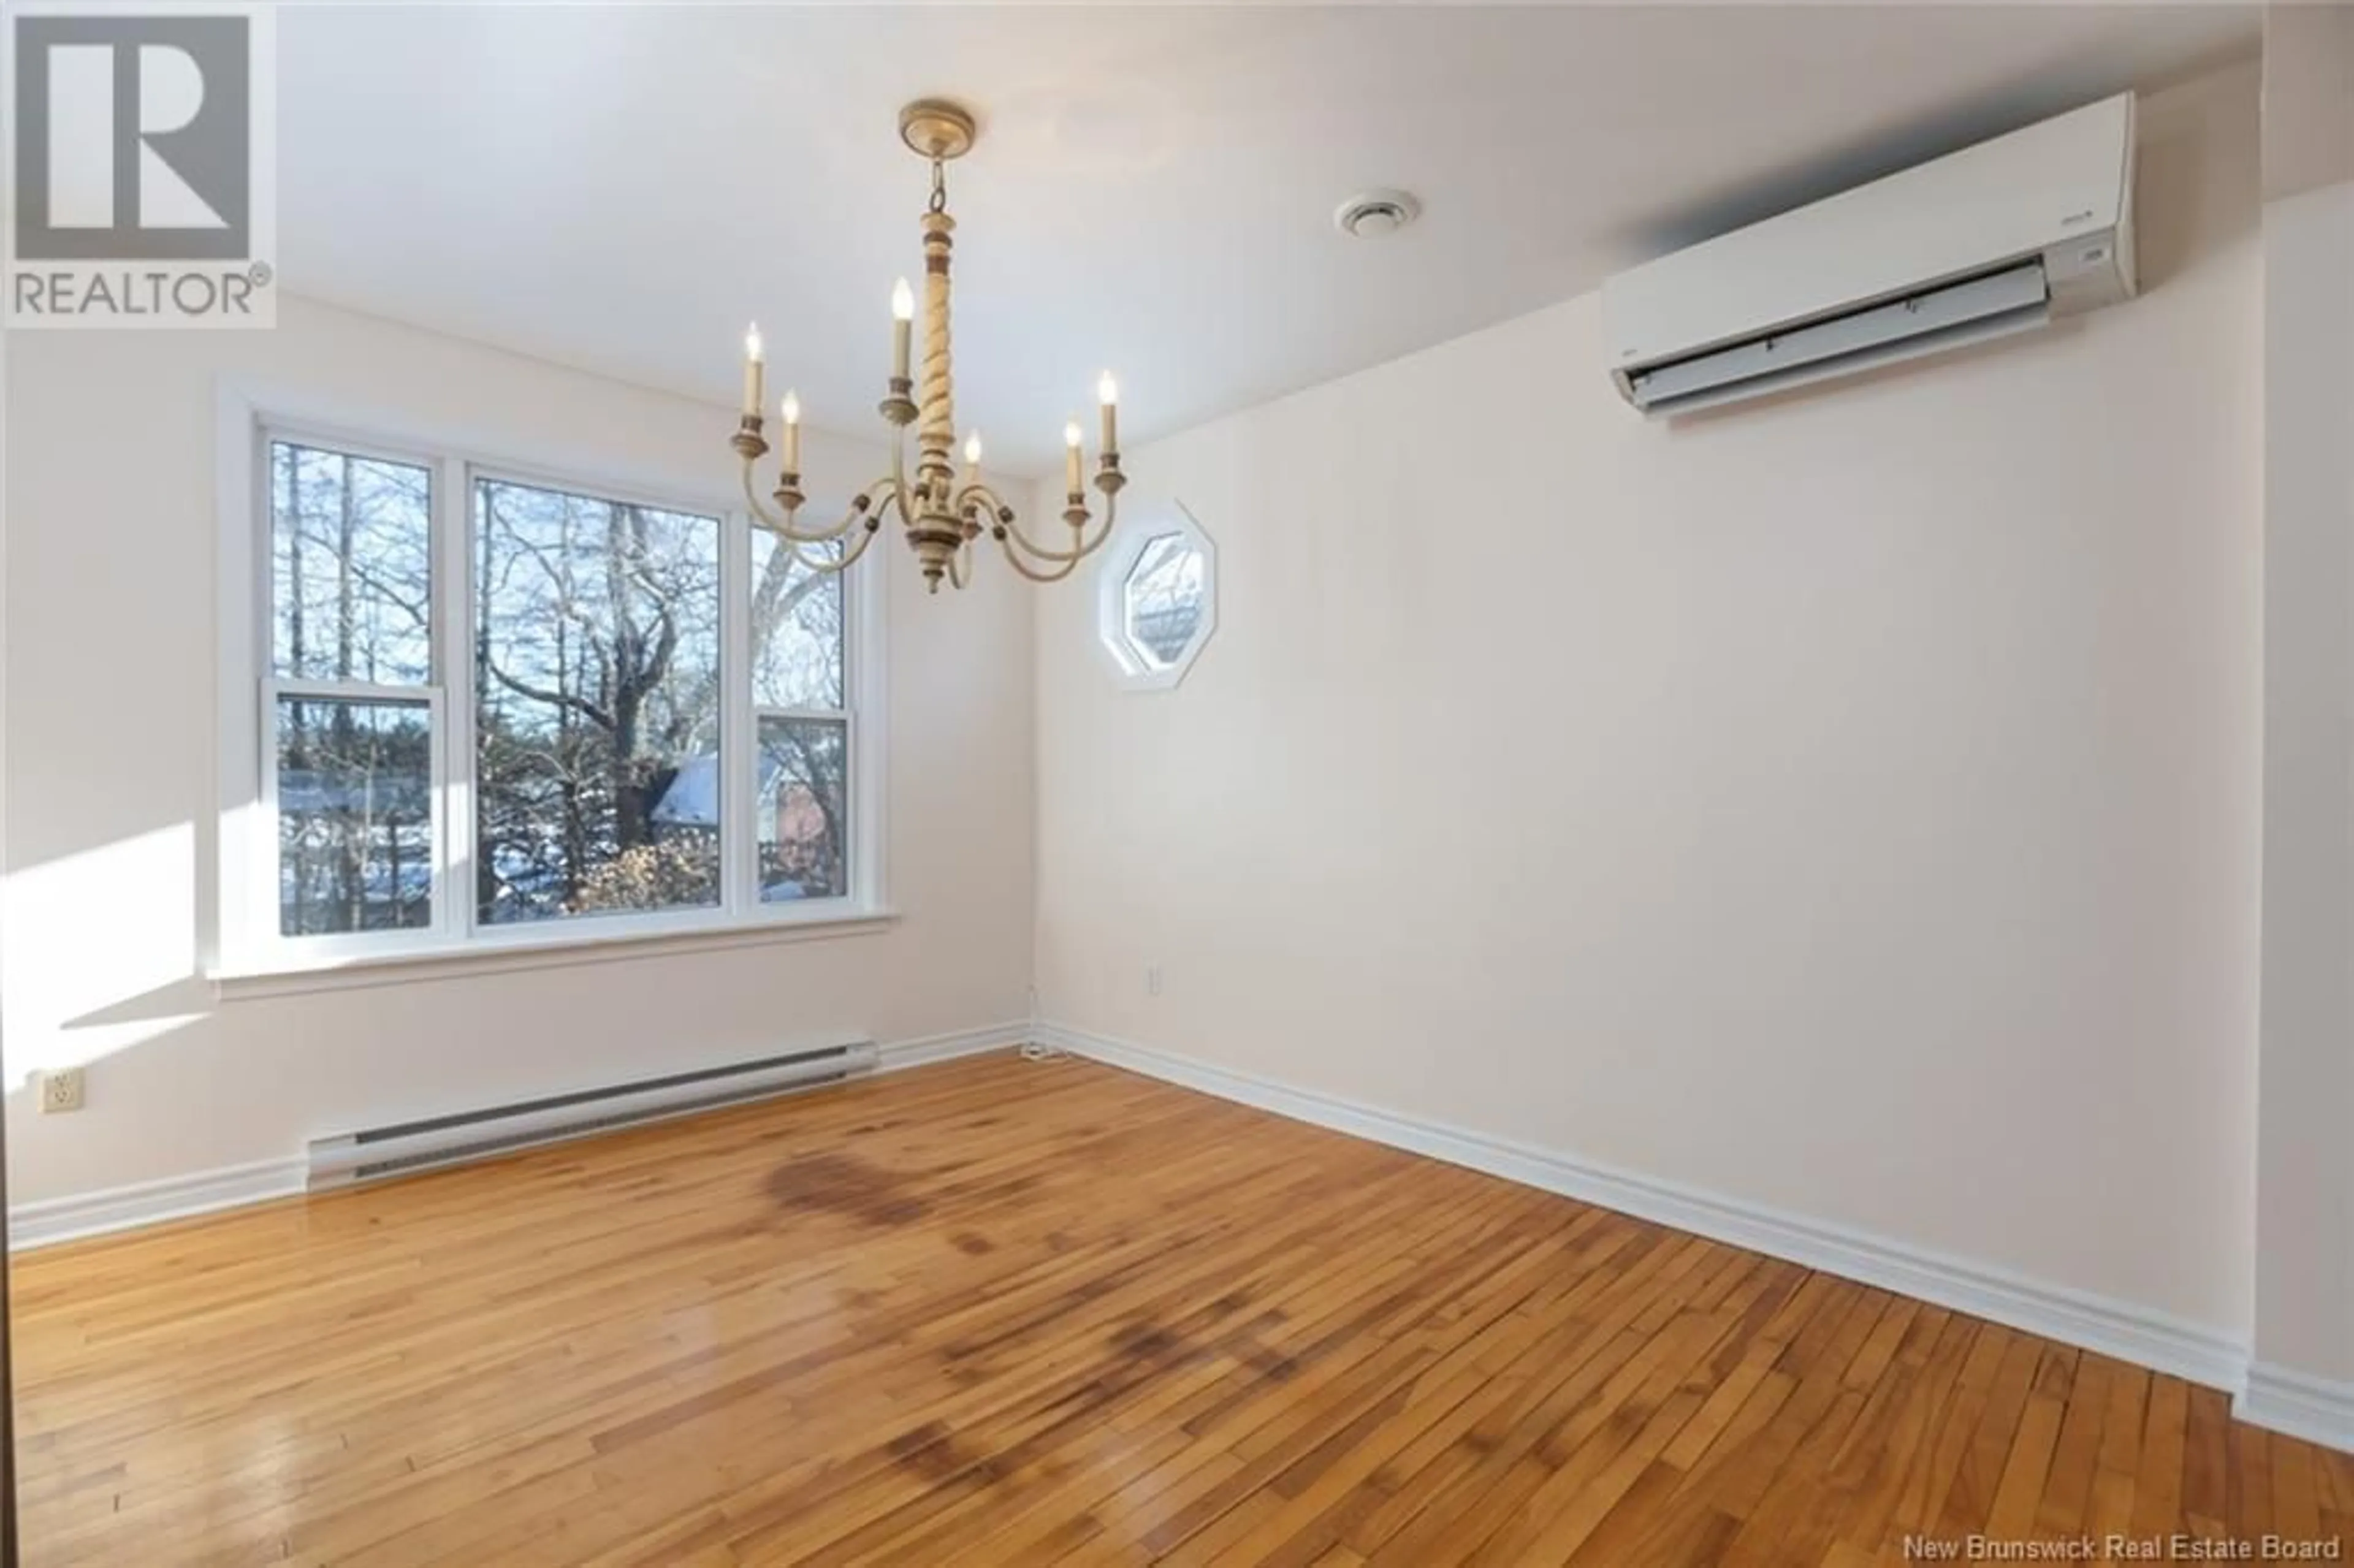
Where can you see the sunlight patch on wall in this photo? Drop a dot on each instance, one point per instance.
(100, 955)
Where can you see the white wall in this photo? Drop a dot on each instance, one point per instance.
(110, 722)
(2304, 1218)
(1848, 804)
(2305, 1315)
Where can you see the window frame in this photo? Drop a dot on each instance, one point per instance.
(1131, 668)
(245, 942)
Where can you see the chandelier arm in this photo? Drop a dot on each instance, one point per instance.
(760, 513)
(892, 487)
(980, 506)
(1083, 547)
(1002, 515)
(1015, 535)
(1070, 559)
(782, 525)
(1015, 560)
(842, 562)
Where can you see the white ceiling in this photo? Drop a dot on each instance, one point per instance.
(620, 187)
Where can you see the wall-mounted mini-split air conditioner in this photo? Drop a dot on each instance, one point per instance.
(1993, 240)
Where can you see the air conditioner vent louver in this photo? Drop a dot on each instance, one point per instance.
(402, 1147)
(2013, 300)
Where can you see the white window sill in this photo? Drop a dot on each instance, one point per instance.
(286, 973)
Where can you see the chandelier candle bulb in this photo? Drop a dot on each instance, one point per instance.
(1108, 393)
(973, 455)
(903, 319)
(791, 410)
(753, 393)
(1071, 457)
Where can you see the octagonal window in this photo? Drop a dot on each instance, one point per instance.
(1158, 603)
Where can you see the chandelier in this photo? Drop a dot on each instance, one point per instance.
(941, 510)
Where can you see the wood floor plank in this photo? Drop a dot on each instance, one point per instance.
(2115, 1477)
(993, 1312)
(2011, 1515)
(2157, 1478)
(2068, 1482)
(2206, 1455)
(2297, 1498)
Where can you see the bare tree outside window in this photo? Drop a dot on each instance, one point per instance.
(351, 613)
(597, 693)
(797, 630)
(354, 816)
(799, 650)
(352, 538)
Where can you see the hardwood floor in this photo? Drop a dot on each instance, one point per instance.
(997, 1312)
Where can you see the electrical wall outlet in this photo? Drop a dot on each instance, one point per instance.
(1152, 979)
(61, 1089)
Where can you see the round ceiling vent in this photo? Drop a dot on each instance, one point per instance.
(1372, 214)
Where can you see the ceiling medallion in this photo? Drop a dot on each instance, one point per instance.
(942, 511)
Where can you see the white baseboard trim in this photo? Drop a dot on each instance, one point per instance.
(46, 1221)
(2316, 1409)
(2113, 1327)
(930, 1048)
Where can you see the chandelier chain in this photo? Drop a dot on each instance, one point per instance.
(939, 202)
